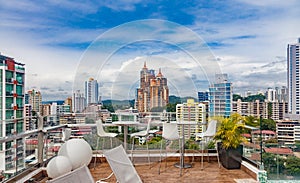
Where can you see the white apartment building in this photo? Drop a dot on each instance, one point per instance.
(91, 92)
(191, 111)
(293, 76)
(288, 132)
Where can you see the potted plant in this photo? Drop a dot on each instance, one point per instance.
(229, 138)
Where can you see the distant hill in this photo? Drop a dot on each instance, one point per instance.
(130, 103)
(175, 100)
(119, 104)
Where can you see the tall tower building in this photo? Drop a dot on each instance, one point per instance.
(68, 101)
(220, 96)
(293, 76)
(78, 102)
(91, 92)
(35, 99)
(153, 91)
(12, 122)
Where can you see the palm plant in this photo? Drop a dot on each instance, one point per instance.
(230, 131)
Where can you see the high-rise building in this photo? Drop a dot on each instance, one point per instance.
(191, 111)
(12, 122)
(203, 96)
(220, 96)
(153, 91)
(91, 92)
(68, 101)
(271, 95)
(293, 76)
(35, 99)
(78, 102)
(29, 123)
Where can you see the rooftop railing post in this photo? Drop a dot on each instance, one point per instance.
(261, 140)
(40, 138)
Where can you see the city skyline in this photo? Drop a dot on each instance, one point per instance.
(248, 40)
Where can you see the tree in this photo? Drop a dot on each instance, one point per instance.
(109, 107)
(171, 107)
(235, 97)
(293, 166)
(268, 124)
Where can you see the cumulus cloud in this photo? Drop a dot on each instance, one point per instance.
(247, 39)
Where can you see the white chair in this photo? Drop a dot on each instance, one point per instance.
(103, 134)
(145, 134)
(121, 166)
(80, 175)
(206, 137)
(66, 134)
(170, 132)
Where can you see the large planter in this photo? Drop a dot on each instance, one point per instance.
(230, 158)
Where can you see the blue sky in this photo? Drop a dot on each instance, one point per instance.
(248, 39)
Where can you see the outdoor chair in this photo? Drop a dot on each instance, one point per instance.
(206, 137)
(170, 133)
(145, 134)
(103, 134)
(121, 166)
(66, 134)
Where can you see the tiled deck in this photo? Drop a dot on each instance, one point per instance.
(211, 173)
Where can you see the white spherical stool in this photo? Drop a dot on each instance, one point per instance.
(78, 151)
(58, 166)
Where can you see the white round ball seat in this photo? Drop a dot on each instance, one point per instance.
(78, 151)
(58, 166)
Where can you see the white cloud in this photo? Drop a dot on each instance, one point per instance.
(47, 46)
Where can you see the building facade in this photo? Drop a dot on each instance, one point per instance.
(91, 92)
(288, 132)
(194, 112)
(153, 91)
(78, 102)
(12, 153)
(272, 110)
(220, 96)
(35, 99)
(203, 96)
(293, 76)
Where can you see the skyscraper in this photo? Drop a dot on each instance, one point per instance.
(153, 91)
(293, 71)
(12, 103)
(91, 92)
(78, 102)
(35, 99)
(220, 96)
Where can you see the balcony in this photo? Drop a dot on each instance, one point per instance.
(51, 142)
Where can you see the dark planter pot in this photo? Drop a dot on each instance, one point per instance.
(230, 158)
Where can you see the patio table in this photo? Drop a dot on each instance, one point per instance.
(182, 164)
(125, 124)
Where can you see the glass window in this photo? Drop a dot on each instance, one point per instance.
(19, 114)
(9, 114)
(19, 90)
(9, 103)
(9, 89)
(19, 78)
(9, 128)
(20, 102)
(19, 127)
(8, 76)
